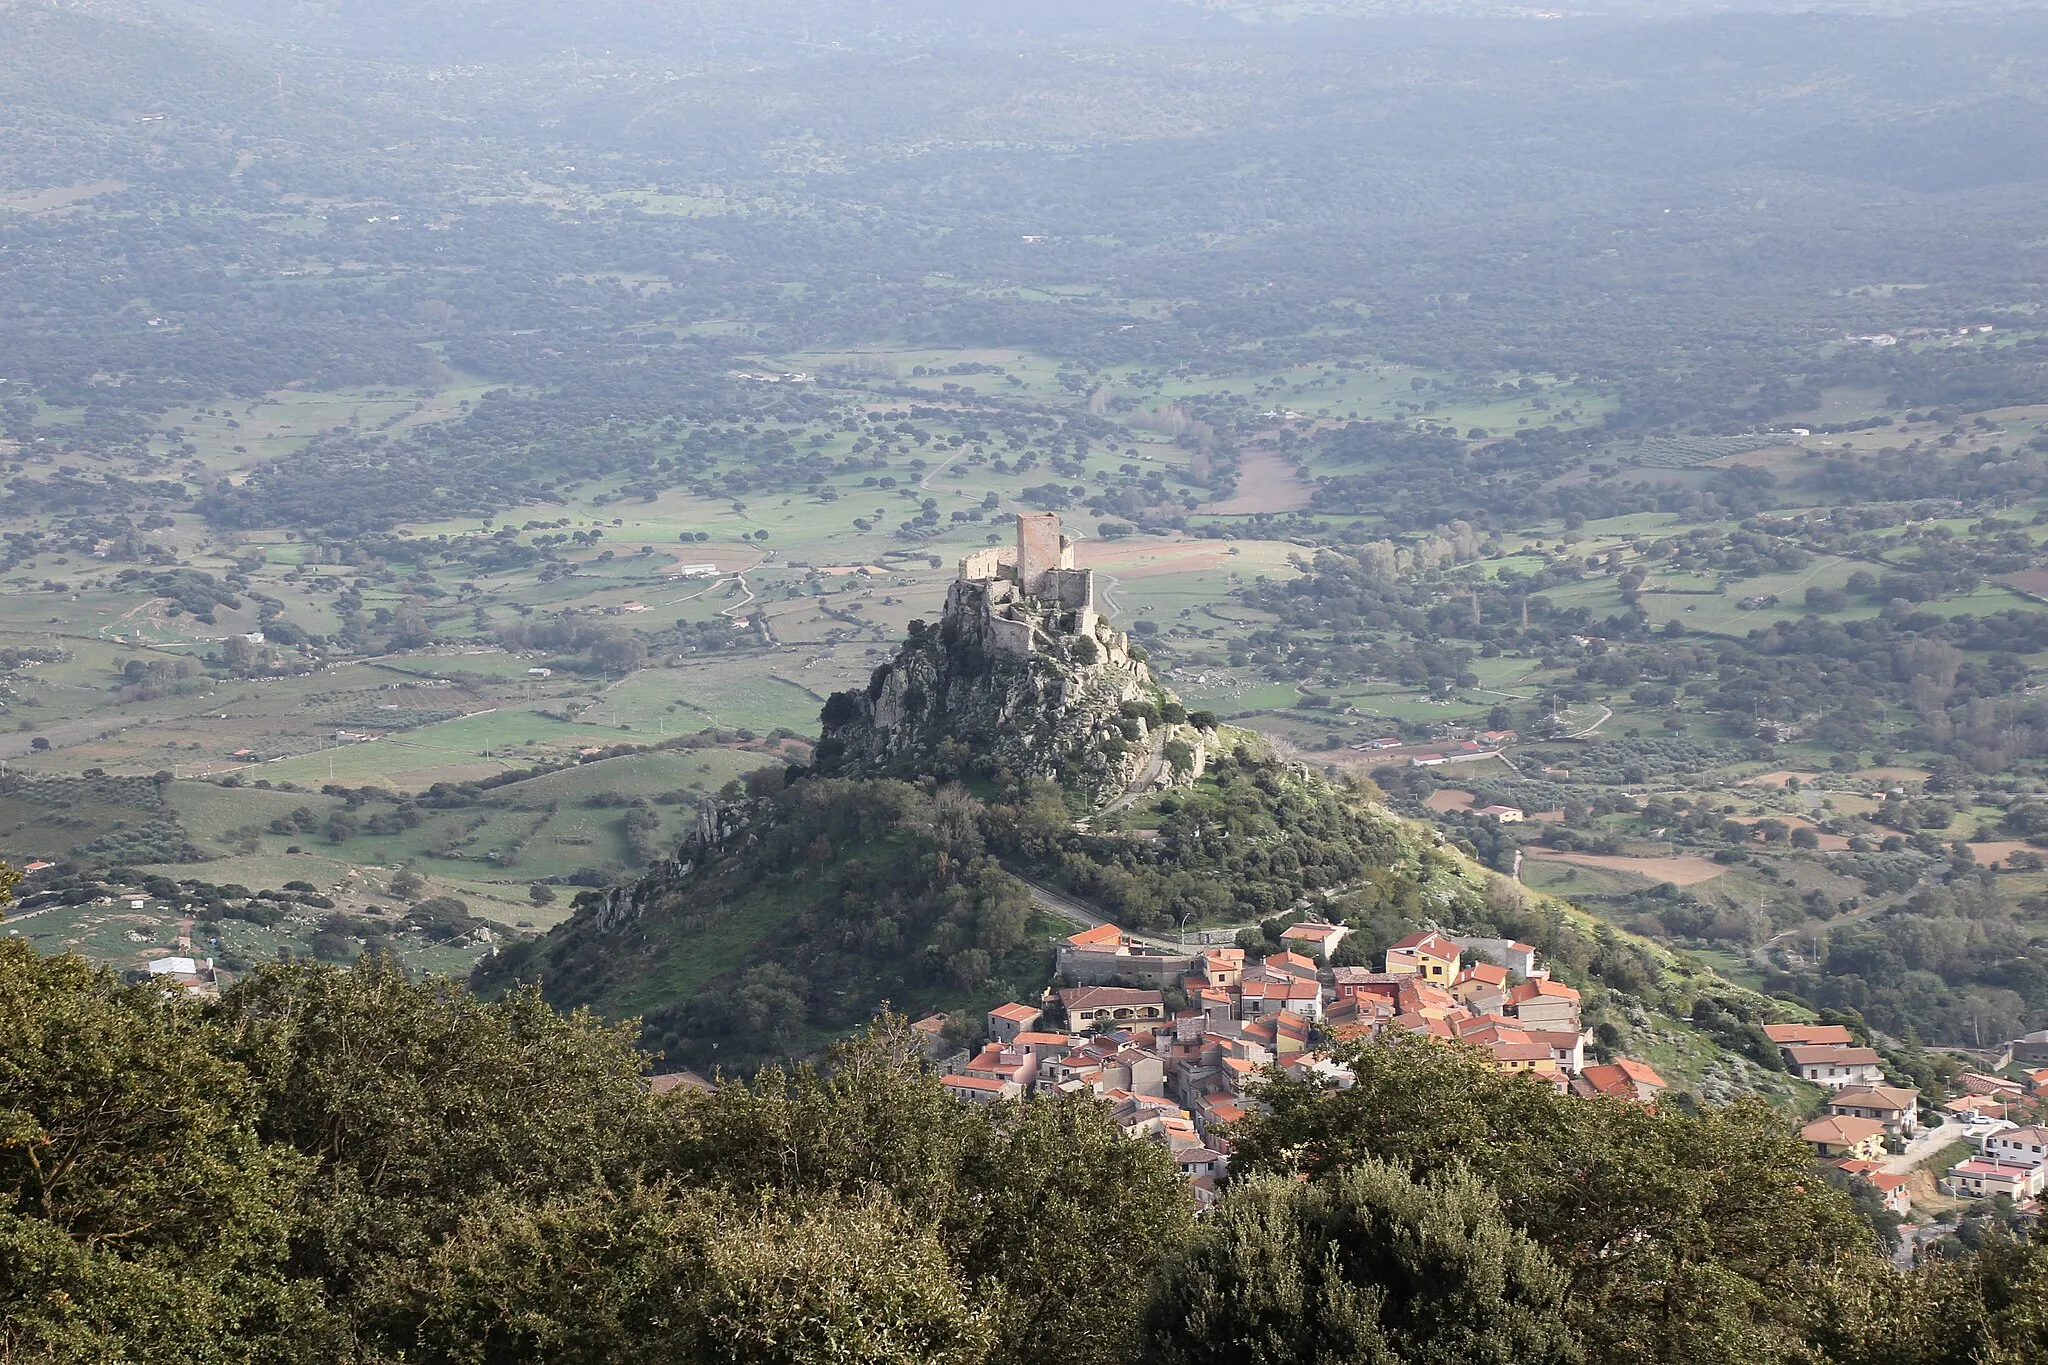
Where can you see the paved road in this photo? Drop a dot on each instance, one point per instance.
(1074, 911)
(1925, 1145)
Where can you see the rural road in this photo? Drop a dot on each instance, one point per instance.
(1606, 714)
(938, 469)
(1110, 584)
(1141, 784)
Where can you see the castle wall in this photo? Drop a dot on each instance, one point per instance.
(1009, 637)
(988, 563)
(1072, 588)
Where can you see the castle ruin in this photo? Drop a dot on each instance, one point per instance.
(1030, 595)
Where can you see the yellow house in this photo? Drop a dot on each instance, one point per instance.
(1840, 1135)
(1430, 956)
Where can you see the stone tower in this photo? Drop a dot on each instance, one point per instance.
(1040, 547)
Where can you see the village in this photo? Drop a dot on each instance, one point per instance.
(1180, 1077)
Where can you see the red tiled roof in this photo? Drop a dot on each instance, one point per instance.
(1015, 1013)
(1096, 997)
(1436, 945)
(1823, 1035)
(1838, 1130)
(1541, 989)
(973, 1083)
(1642, 1073)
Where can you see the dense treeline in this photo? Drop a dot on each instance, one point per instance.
(334, 1164)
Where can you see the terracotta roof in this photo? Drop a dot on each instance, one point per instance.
(973, 1083)
(1839, 1130)
(1096, 997)
(1436, 945)
(1030, 1039)
(1877, 1096)
(1563, 1040)
(1365, 976)
(1619, 1079)
(1281, 990)
(1541, 989)
(1310, 930)
(1015, 1013)
(1101, 935)
(1809, 1034)
(1642, 1073)
(1487, 973)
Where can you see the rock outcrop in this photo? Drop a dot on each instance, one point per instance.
(1020, 675)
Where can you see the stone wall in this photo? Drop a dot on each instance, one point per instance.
(1088, 967)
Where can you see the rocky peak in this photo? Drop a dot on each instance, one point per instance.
(1021, 675)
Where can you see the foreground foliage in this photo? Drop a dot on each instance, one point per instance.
(336, 1164)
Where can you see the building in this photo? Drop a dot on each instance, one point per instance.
(1101, 1006)
(685, 1081)
(1106, 954)
(1431, 956)
(195, 977)
(1506, 815)
(1568, 1050)
(1622, 1079)
(1519, 958)
(1018, 586)
(1983, 1083)
(1545, 1004)
(1006, 1022)
(1314, 939)
(1897, 1107)
(1809, 1035)
(1834, 1135)
(2015, 1146)
(932, 1030)
(1980, 1179)
(981, 1089)
(1836, 1068)
(1891, 1187)
(2031, 1050)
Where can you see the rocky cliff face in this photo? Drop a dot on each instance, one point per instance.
(1079, 706)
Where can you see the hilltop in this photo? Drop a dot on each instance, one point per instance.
(1014, 767)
